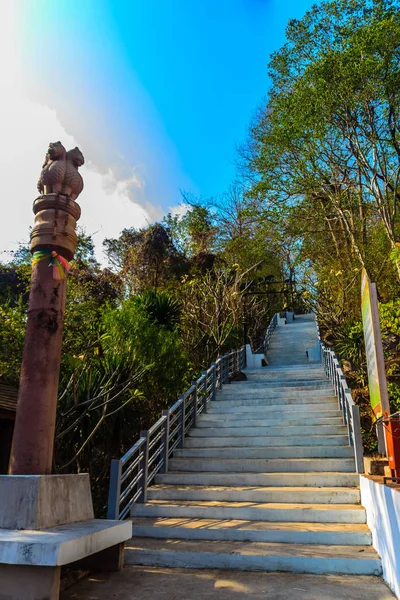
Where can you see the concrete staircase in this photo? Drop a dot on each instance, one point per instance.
(266, 480)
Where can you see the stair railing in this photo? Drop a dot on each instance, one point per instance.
(268, 334)
(350, 410)
(131, 475)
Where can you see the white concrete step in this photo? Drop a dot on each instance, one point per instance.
(248, 402)
(281, 384)
(302, 495)
(260, 441)
(268, 378)
(253, 556)
(321, 479)
(321, 407)
(312, 368)
(286, 420)
(268, 452)
(281, 358)
(268, 412)
(348, 534)
(268, 511)
(278, 393)
(260, 465)
(267, 374)
(268, 431)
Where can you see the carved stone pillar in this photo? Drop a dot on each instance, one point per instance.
(53, 242)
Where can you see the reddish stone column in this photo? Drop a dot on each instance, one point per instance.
(56, 215)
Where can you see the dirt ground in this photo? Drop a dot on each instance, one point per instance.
(156, 583)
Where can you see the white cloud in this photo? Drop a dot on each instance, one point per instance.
(109, 203)
(179, 210)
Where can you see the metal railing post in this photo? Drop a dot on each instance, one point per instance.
(344, 390)
(165, 442)
(114, 491)
(144, 466)
(204, 391)
(194, 401)
(213, 381)
(226, 368)
(220, 361)
(358, 445)
(182, 419)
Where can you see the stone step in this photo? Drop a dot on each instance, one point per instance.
(312, 368)
(283, 384)
(280, 394)
(321, 479)
(248, 402)
(267, 431)
(268, 452)
(270, 374)
(260, 465)
(253, 556)
(282, 420)
(348, 534)
(269, 511)
(321, 407)
(254, 442)
(301, 495)
(299, 361)
(288, 348)
(287, 382)
(287, 412)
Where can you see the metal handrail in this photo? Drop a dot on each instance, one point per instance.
(268, 334)
(131, 475)
(350, 410)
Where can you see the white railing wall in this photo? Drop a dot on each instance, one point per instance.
(350, 411)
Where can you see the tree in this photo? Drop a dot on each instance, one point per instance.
(328, 136)
(146, 259)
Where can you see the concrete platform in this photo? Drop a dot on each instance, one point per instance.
(155, 583)
(209, 493)
(265, 479)
(349, 534)
(61, 545)
(261, 465)
(254, 556)
(252, 511)
(279, 440)
(266, 431)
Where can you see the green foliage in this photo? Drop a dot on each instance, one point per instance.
(12, 333)
(131, 330)
(349, 342)
(161, 307)
(394, 395)
(389, 314)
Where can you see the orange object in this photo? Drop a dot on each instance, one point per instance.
(392, 434)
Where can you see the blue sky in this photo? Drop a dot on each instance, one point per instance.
(157, 93)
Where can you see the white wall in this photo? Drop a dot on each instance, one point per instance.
(253, 361)
(383, 519)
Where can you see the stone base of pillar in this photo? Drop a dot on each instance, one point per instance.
(43, 501)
